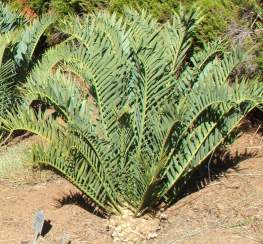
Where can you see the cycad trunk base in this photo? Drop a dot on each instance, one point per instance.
(160, 110)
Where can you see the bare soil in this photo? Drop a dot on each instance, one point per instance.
(228, 209)
(225, 206)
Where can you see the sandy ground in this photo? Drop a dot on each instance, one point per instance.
(227, 209)
(73, 222)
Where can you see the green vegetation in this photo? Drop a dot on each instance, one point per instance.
(127, 106)
(218, 14)
(18, 51)
(9, 21)
(6, 93)
(239, 22)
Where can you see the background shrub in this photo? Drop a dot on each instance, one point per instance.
(238, 21)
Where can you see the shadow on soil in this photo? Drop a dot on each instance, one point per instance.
(82, 201)
(212, 171)
(46, 227)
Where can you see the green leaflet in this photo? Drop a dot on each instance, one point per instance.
(7, 72)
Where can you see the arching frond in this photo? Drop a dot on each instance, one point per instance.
(83, 166)
(177, 36)
(31, 35)
(26, 119)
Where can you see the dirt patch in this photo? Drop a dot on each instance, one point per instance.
(227, 210)
(70, 221)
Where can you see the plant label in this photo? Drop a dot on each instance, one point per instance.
(38, 224)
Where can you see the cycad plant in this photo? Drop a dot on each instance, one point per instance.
(128, 109)
(19, 37)
(19, 41)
